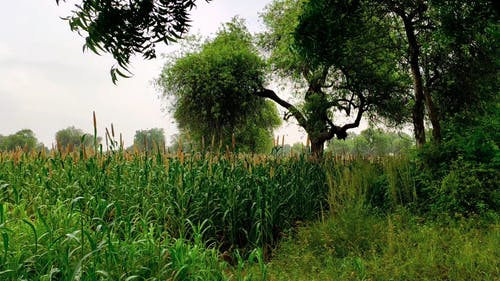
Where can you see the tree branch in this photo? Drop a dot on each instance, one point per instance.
(270, 94)
(361, 110)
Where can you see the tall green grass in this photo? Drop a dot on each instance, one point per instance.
(356, 244)
(117, 215)
(380, 183)
(372, 233)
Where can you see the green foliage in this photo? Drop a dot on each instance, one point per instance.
(385, 184)
(358, 245)
(338, 52)
(461, 174)
(149, 140)
(73, 137)
(469, 188)
(213, 90)
(124, 29)
(351, 38)
(23, 139)
(257, 134)
(461, 56)
(460, 69)
(219, 216)
(281, 18)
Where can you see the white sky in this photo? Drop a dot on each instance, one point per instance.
(47, 83)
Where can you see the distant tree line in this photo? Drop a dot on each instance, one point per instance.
(372, 142)
(23, 139)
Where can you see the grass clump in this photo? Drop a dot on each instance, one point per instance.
(358, 245)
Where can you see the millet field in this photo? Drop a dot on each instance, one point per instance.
(218, 215)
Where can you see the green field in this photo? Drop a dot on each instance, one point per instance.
(216, 215)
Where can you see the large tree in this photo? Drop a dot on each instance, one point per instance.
(335, 49)
(449, 52)
(127, 28)
(213, 91)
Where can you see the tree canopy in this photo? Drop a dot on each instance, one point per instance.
(127, 28)
(449, 54)
(335, 49)
(213, 91)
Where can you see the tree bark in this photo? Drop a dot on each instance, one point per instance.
(418, 113)
(433, 116)
(318, 135)
(431, 107)
(317, 148)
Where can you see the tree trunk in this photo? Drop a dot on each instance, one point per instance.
(431, 107)
(418, 113)
(433, 116)
(317, 148)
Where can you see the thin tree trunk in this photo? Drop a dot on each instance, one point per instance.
(431, 107)
(418, 113)
(433, 116)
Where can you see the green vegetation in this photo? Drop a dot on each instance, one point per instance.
(72, 137)
(23, 139)
(221, 216)
(148, 140)
(358, 245)
(376, 207)
(119, 215)
(374, 231)
(213, 88)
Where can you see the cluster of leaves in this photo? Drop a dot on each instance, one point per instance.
(461, 174)
(126, 28)
(213, 90)
(461, 56)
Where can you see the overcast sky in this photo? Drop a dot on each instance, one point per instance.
(47, 83)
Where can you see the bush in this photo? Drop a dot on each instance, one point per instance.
(460, 175)
(468, 188)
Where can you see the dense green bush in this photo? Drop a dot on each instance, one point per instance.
(469, 188)
(460, 175)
